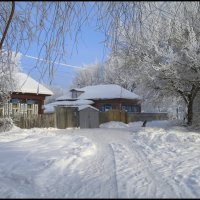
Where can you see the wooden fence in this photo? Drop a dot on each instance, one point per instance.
(112, 115)
(31, 121)
(117, 115)
(133, 117)
(65, 117)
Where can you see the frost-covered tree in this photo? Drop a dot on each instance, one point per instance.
(156, 34)
(118, 70)
(57, 92)
(91, 74)
(113, 71)
(166, 53)
(51, 25)
(7, 69)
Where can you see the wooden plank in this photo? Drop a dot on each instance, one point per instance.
(31, 121)
(66, 117)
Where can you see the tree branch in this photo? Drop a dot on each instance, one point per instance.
(7, 25)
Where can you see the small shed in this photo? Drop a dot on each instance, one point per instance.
(66, 117)
(88, 116)
(84, 116)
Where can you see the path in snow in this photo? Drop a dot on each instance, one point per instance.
(99, 179)
(174, 156)
(126, 162)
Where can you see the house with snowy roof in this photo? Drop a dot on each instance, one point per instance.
(102, 97)
(27, 96)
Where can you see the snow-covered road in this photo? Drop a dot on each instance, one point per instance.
(114, 161)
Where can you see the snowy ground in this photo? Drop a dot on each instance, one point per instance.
(115, 161)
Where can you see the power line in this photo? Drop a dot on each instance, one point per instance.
(63, 64)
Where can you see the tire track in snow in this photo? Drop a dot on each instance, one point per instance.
(136, 176)
(164, 160)
(100, 177)
(127, 174)
(157, 182)
(115, 170)
(95, 177)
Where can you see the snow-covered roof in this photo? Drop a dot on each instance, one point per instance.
(64, 97)
(77, 89)
(87, 106)
(50, 107)
(26, 84)
(110, 91)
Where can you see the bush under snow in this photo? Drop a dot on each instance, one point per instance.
(5, 124)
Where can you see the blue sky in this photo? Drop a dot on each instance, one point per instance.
(90, 49)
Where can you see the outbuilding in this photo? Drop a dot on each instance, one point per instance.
(88, 116)
(84, 116)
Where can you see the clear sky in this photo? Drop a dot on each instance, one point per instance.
(90, 49)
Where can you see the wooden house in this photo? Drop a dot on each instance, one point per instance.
(102, 97)
(27, 96)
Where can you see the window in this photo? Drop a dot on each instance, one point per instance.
(124, 108)
(74, 94)
(105, 107)
(131, 108)
(15, 101)
(135, 109)
(102, 109)
(108, 107)
(30, 101)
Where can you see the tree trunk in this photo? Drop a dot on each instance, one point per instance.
(7, 25)
(190, 112)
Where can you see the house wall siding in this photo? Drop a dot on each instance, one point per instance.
(40, 98)
(116, 103)
(75, 94)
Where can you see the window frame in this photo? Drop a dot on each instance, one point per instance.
(105, 107)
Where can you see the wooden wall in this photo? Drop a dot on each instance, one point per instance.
(35, 121)
(121, 116)
(112, 115)
(196, 109)
(116, 103)
(89, 118)
(67, 117)
(40, 98)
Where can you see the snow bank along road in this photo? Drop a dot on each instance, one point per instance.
(114, 161)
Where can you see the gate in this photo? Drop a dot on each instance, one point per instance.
(89, 117)
(113, 115)
(66, 117)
